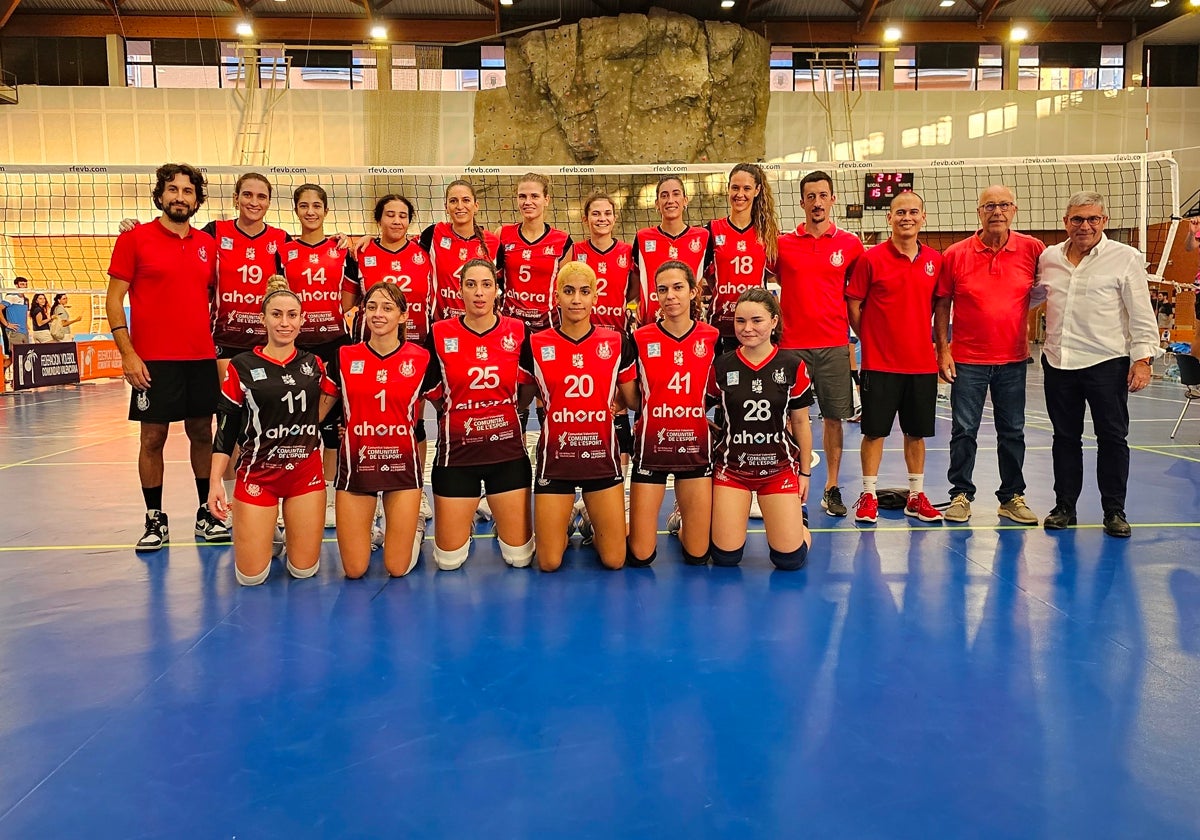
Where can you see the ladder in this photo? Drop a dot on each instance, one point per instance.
(258, 96)
(838, 105)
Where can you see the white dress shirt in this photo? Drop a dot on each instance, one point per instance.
(1097, 310)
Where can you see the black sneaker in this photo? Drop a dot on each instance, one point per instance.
(832, 502)
(209, 528)
(1115, 524)
(156, 535)
(1059, 518)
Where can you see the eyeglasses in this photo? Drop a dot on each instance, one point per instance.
(993, 206)
(1092, 221)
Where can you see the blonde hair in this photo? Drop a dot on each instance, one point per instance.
(536, 178)
(573, 269)
(278, 285)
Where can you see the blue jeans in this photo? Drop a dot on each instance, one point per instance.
(967, 395)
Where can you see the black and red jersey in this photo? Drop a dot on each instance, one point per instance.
(472, 382)
(612, 269)
(651, 248)
(245, 264)
(410, 268)
(271, 410)
(529, 270)
(380, 395)
(577, 382)
(449, 253)
(738, 261)
(757, 400)
(672, 432)
(317, 273)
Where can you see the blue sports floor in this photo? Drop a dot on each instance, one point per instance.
(913, 682)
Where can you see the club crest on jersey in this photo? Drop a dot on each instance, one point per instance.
(381, 376)
(143, 401)
(695, 246)
(272, 248)
(226, 243)
(548, 251)
(407, 368)
(462, 254)
(623, 261)
(604, 351)
(602, 268)
(526, 254)
(369, 262)
(450, 345)
(332, 253)
(251, 254)
(418, 259)
(358, 366)
(779, 376)
(720, 239)
(257, 374)
(202, 253)
(929, 269)
(673, 252)
(288, 379)
(253, 490)
(293, 254)
(548, 354)
(756, 386)
(444, 242)
(678, 357)
(481, 353)
(732, 378)
(653, 350)
(577, 360)
(509, 343)
(699, 349)
(397, 265)
(741, 246)
(307, 368)
(314, 258)
(836, 258)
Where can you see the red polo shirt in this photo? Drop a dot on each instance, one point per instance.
(897, 311)
(170, 279)
(812, 272)
(990, 290)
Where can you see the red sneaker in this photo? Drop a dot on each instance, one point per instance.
(919, 507)
(866, 509)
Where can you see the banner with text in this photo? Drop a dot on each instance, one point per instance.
(99, 359)
(39, 365)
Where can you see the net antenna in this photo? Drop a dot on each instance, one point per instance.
(833, 80)
(263, 73)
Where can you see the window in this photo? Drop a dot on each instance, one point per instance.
(1072, 67)
(55, 61)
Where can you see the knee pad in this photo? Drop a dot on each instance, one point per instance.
(790, 561)
(329, 437)
(517, 556)
(252, 580)
(721, 557)
(448, 561)
(702, 559)
(418, 540)
(301, 574)
(633, 562)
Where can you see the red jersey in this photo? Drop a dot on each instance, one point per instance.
(529, 270)
(897, 310)
(672, 433)
(612, 269)
(244, 265)
(738, 262)
(317, 273)
(757, 400)
(990, 290)
(812, 273)
(472, 382)
(651, 248)
(380, 394)
(170, 282)
(271, 409)
(449, 252)
(409, 268)
(577, 381)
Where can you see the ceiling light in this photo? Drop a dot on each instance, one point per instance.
(1194, 3)
(244, 29)
(1018, 33)
(506, 2)
(892, 34)
(946, 4)
(379, 32)
(728, 4)
(1158, 4)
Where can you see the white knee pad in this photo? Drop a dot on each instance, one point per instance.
(252, 580)
(448, 561)
(517, 556)
(301, 574)
(418, 540)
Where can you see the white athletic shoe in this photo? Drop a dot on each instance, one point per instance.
(278, 543)
(585, 523)
(674, 522)
(330, 509)
(427, 509)
(483, 513)
(376, 535)
(575, 523)
(755, 510)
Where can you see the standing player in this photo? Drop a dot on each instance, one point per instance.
(674, 359)
(767, 440)
(472, 381)
(168, 267)
(578, 371)
(380, 383)
(890, 304)
(451, 244)
(530, 255)
(672, 239)
(317, 269)
(813, 265)
(272, 399)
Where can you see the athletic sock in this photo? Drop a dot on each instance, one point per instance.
(202, 487)
(870, 484)
(153, 497)
(916, 483)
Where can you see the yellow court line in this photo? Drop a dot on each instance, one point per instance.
(1155, 450)
(65, 451)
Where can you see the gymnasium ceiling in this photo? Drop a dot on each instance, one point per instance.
(798, 22)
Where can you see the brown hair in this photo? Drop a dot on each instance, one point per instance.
(697, 307)
(762, 211)
(252, 176)
(759, 295)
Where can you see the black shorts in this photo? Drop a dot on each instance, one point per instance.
(624, 432)
(911, 395)
(464, 482)
(328, 353)
(567, 487)
(640, 476)
(179, 390)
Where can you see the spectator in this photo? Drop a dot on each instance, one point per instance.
(39, 314)
(60, 319)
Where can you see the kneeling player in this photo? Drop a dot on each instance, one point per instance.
(272, 400)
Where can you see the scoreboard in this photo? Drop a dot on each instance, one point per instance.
(882, 187)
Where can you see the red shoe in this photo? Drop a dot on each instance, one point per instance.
(866, 509)
(919, 507)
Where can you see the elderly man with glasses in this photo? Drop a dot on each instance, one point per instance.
(987, 279)
(1101, 338)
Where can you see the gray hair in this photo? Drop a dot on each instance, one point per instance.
(1084, 197)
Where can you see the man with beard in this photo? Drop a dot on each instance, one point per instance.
(168, 269)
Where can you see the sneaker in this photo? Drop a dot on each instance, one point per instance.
(1016, 510)
(674, 522)
(278, 543)
(585, 525)
(918, 506)
(1059, 518)
(832, 502)
(426, 508)
(866, 509)
(755, 510)
(209, 527)
(376, 535)
(483, 513)
(960, 508)
(1116, 525)
(156, 535)
(575, 523)
(330, 507)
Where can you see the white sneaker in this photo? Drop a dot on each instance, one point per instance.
(755, 510)
(278, 543)
(483, 513)
(585, 523)
(575, 523)
(376, 535)
(427, 509)
(330, 508)
(674, 522)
